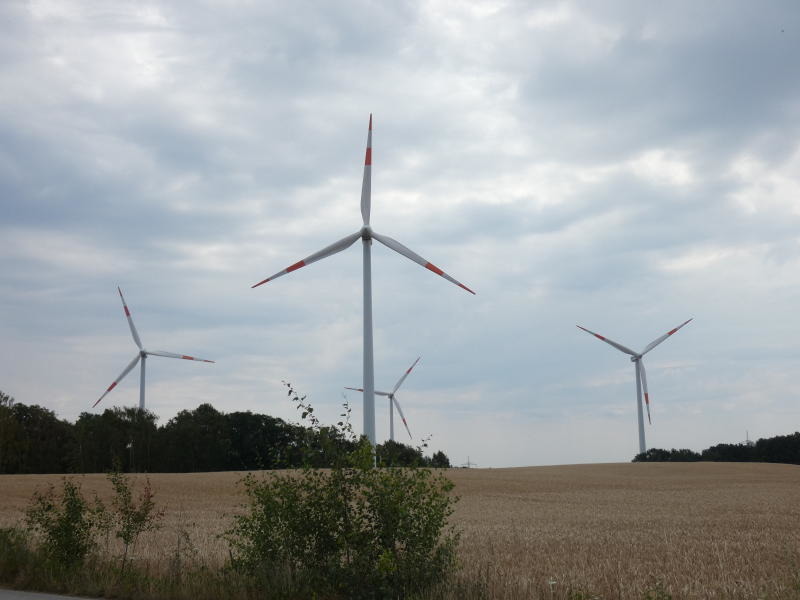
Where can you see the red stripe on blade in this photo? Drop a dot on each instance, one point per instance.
(187, 357)
(673, 331)
(111, 387)
(368, 158)
(461, 285)
(599, 337)
(296, 266)
(127, 312)
(434, 268)
(647, 398)
(260, 283)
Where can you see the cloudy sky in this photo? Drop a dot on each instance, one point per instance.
(620, 165)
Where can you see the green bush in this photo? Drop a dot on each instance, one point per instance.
(353, 530)
(68, 526)
(66, 523)
(15, 554)
(132, 517)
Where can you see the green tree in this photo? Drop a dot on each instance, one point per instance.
(118, 436)
(37, 442)
(729, 453)
(196, 440)
(440, 460)
(780, 449)
(659, 455)
(258, 441)
(9, 432)
(395, 454)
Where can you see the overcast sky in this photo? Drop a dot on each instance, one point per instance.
(620, 165)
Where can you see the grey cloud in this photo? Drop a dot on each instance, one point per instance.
(516, 155)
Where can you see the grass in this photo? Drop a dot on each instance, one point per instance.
(642, 530)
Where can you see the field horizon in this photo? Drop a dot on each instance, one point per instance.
(611, 530)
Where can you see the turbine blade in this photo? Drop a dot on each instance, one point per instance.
(608, 341)
(408, 253)
(402, 416)
(120, 378)
(403, 378)
(342, 244)
(173, 355)
(134, 333)
(657, 341)
(376, 392)
(366, 184)
(644, 389)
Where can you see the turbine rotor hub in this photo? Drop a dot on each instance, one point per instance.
(366, 232)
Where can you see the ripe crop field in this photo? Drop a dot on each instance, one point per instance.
(692, 530)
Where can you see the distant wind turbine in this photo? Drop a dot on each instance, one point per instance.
(393, 401)
(366, 235)
(142, 355)
(641, 376)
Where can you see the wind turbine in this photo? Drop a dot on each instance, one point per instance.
(366, 235)
(142, 355)
(393, 401)
(641, 376)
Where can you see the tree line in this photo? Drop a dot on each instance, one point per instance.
(34, 440)
(778, 449)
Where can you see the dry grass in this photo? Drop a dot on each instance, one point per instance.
(700, 529)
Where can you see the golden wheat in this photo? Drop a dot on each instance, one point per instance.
(697, 530)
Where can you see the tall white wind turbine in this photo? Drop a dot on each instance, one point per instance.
(141, 356)
(641, 376)
(366, 235)
(393, 401)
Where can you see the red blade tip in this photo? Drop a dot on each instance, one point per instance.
(466, 288)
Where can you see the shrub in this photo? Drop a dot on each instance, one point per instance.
(15, 553)
(66, 523)
(132, 518)
(353, 530)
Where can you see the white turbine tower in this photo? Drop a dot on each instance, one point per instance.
(641, 377)
(393, 401)
(142, 355)
(366, 235)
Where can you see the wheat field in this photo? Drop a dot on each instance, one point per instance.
(690, 530)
